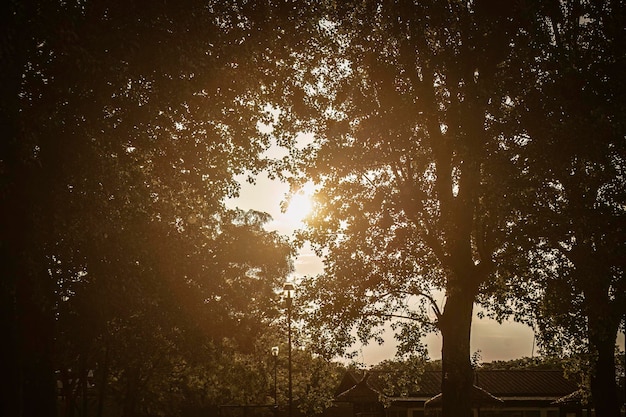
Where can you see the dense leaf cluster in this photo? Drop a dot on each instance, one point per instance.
(124, 276)
(462, 152)
(471, 148)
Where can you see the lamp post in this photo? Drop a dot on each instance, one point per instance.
(275, 356)
(288, 289)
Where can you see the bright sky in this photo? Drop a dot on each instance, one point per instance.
(495, 341)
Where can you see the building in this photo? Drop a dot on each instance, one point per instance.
(496, 393)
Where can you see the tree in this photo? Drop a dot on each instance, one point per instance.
(537, 362)
(158, 318)
(412, 162)
(574, 116)
(125, 126)
(315, 380)
(401, 377)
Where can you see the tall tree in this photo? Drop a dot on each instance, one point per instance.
(411, 157)
(124, 125)
(574, 116)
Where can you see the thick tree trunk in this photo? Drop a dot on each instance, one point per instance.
(131, 395)
(10, 394)
(29, 294)
(104, 369)
(11, 70)
(602, 338)
(455, 326)
(36, 331)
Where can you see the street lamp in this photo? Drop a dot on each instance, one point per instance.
(275, 355)
(289, 289)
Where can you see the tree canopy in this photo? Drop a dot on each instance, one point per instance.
(125, 125)
(470, 149)
(432, 122)
(413, 157)
(574, 118)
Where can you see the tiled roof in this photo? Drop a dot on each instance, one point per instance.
(525, 383)
(572, 398)
(501, 383)
(479, 397)
(350, 379)
(361, 392)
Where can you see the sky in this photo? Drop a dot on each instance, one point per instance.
(493, 341)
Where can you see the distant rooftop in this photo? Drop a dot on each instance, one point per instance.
(500, 383)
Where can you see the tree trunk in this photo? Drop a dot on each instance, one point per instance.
(36, 332)
(131, 395)
(104, 369)
(457, 379)
(602, 338)
(84, 374)
(11, 393)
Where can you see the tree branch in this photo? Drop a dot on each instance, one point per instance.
(392, 316)
(433, 302)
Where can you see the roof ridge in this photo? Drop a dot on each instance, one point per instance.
(494, 370)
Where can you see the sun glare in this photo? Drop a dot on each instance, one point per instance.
(299, 206)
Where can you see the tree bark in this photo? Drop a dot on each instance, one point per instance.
(602, 330)
(457, 379)
(36, 333)
(131, 394)
(102, 385)
(26, 315)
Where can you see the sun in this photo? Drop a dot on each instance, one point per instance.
(299, 206)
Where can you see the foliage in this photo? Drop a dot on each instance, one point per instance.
(393, 238)
(461, 147)
(570, 230)
(315, 380)
(400, 377)
(536, 362)
(444, 159)
(414, 162)
(125, 125)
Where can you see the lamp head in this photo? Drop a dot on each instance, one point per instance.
(288, 289)
(274, 351)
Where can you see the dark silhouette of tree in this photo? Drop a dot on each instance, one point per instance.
(413, 159)
(574, 116)
(459, 146)
(124, 126)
